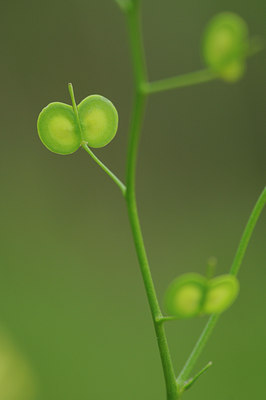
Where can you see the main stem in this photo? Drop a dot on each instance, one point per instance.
(136, 123)
(142, 88)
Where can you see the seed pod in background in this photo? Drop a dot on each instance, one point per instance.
(222, 292)
(98, 119)
(225, 46)
(17, 379)
(185, 296)
(58, 128)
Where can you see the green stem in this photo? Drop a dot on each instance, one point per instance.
(183, 376)
(135, 129)
(167, 318)
(120, 184)
(248, 232)
(189, 79)
(74, 104)
(136, 45)
(234, 271)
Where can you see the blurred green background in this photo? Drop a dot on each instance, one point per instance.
(73, 313)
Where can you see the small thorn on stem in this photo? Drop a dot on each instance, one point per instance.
(191, 381)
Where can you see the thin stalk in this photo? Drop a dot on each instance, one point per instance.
(139, 70)
(136, 45)
(248, 232)
(74, 104)
(117, 181)
(183, 376)
(166, 318)
(184, 80)
(256, 212)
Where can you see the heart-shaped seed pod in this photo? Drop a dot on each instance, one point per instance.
(98, 119)
(63, 128)
(185, 296)
(222, 292)
(225, 46)
(58, 128)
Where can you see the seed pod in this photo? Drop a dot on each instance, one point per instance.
(63, 128)
(58, 128)
(225, 46)
(222, 292)
(185, 295)
(98, 119)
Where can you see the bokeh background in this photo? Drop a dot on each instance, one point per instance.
(74, 319)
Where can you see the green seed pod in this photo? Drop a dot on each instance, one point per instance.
(222, 292)
(98, 119)
(63, 128)
(58, 128)
(185, 296)
(225, 46)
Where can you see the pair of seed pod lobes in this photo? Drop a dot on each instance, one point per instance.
(192, 295)
(62, 132)
(225, 46)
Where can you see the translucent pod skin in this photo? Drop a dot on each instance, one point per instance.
(58, 128)
(225, 46)
(222, 292)
(185, 296)
(98, 119)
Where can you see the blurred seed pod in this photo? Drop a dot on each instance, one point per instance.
(225, 46)
(17, 382)
(185, 296)
(222, 292)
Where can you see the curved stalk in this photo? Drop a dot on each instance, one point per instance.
(116, 180)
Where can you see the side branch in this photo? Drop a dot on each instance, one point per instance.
(256, 212)
(179, 81)
(247, 233)
(115, 179)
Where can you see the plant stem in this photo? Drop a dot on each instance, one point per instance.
(248, 232)
(174, 388)
(142, 256)
(136, 46)
(189, 79)
(120, 184)
(74, 104)
(184, 374)
(139, 70)
(234, 271)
